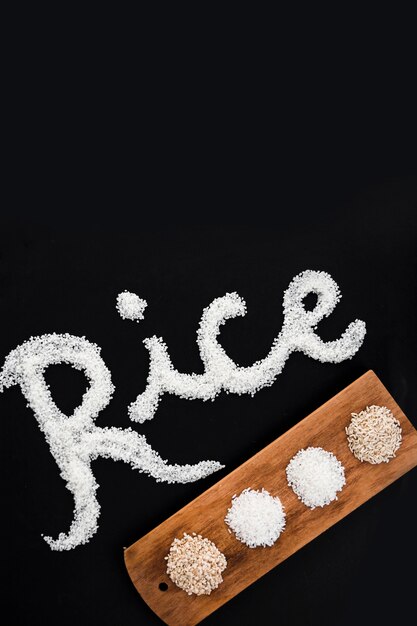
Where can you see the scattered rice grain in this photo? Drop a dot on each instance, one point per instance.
(222, 373)
(74, 440)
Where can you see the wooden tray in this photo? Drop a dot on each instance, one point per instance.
(205, 515)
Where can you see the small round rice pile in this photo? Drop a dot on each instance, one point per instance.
(315, 476)
(256, 518)
(374, 435)
(195, 564)
(130, 306)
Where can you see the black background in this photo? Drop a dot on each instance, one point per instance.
(61, 272)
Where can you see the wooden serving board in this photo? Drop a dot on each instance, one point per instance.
(325, 427)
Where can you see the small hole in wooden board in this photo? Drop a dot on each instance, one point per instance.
(163, 586)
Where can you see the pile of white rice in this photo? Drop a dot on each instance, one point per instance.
(315, 476)
(256, 518)
(130, 306)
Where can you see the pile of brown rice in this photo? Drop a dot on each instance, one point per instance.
(374, 435)
(195, 564)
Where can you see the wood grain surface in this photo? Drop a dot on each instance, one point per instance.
(205, 515)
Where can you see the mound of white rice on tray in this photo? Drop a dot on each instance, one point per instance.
(315, 476)
(256, 518)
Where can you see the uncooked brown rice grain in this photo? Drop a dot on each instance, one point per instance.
(195, 564)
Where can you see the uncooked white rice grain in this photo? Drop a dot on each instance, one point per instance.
(75, 440)
(298, 333)
(130, 306)
(316, 476)
(256, 518)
